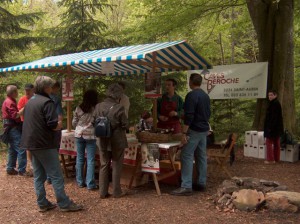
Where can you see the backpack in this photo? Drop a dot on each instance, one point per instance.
(103, 126)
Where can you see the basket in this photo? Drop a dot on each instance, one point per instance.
(149, 137)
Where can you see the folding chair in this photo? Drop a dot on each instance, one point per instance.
(222, 156)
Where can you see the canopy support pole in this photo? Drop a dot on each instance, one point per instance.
(154, 112)
(69, 105)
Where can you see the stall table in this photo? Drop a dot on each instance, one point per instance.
(171, 148)
(132, 156)
(68, 147)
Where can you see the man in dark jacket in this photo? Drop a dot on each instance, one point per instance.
(195, 129)
(40, 124)
(273, 128)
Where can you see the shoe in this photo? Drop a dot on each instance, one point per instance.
(72, 208)
(47, 207)
(182, 192)
(82, 185)
(12, 172)
(269, 162)
(94, 188)
(120, 195)
(199, 187)
(105, 196)
(25, 174)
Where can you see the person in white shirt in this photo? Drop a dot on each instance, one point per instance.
(83, 120)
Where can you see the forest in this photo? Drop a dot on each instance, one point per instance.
(222, 31)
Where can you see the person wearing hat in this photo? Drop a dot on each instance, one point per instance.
(112, 148)
(29, 91)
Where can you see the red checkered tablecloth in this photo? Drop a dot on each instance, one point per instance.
(68, 147)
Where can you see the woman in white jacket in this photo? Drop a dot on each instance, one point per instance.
(85, 139)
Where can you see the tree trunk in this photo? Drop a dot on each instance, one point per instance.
(273, 22)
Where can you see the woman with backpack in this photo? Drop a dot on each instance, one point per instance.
(112, 147)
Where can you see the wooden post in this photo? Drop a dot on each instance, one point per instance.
(154, 112)
(69, 116)
(69, 106)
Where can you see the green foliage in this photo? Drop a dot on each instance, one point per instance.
(80, 30)
(221, 31)
(15, 29)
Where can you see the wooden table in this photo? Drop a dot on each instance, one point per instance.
(172, 148)
(132, 157)
(68, 148)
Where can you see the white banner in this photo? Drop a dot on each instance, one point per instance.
(235, 81)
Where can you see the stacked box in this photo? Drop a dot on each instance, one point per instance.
(292, 153)
(253, 151)
(282, 154)
(249, 137)
(246, 150)
(260, 138)
(254, 139)
(261, 151)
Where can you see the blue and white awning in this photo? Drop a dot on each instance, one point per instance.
(137, 59)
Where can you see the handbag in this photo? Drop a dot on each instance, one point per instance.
(4, 137)
(103, 127)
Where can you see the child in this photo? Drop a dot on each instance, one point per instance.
(146, 122)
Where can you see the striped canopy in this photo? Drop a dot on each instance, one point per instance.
(137, 59)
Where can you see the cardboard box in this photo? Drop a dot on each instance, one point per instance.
(246, 150)
(253, 151)
(282, 154)
(292, 153)
(254, 139)
(261, 138)
(261, 151)
(258, 138)
(248, 137)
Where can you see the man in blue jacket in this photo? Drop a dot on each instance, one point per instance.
(195, 129)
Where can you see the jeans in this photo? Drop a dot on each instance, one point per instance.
(90, 146)
(195, 148)
(14, 151)
(45, 161)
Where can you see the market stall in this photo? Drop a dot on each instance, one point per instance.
(150, 59)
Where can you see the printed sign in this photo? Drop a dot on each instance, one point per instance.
(67, 89)
(235, 81)
(108, 67)
(150, 158)
(152, 85)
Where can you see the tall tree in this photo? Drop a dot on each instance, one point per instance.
(273, 22)
(81, 28)
(15, 30)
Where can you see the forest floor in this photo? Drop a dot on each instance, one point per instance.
(18, 201)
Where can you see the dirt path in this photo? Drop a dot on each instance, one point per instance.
(18, 201)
